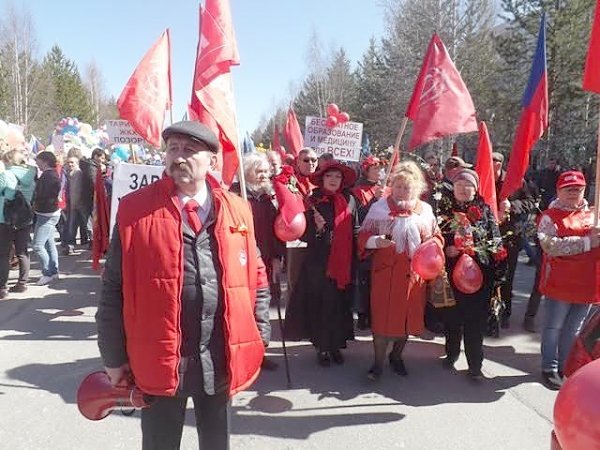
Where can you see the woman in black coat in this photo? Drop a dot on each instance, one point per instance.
(469, 226)
(320, 306)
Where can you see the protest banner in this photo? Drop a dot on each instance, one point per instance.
(343, 141)
(128, 178)
(121, 132)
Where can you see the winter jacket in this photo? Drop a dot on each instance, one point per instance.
(47, 188)
(144, 306)
(88, 168)
(485, 230)
(13, 179)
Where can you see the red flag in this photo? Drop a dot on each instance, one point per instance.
(591, 75)
(212, 100)
(485, 169)
(101, 221)
(292, 133)
(534, 118)
(440, 104)
(147, 94)
(277, 143)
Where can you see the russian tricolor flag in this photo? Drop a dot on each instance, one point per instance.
(534, 118)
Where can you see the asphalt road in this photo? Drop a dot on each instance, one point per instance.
(48, 344)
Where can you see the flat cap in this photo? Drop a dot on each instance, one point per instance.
(195, 131)
(497, 156)
(456, 161)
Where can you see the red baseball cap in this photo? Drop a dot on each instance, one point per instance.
(570, 178)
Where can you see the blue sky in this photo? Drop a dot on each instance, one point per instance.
(272, 38)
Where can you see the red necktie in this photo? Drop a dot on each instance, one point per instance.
(191, 208)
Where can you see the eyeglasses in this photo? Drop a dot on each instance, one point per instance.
(309, 160)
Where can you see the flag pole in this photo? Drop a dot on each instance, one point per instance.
(396, 149)
(241, 176)
(597, 185)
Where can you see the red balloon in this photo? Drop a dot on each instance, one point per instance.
(292, 231)
(428, 260)
(577, 410)
(467, 276)
(331, 121)
(343, 117)
(332, 109)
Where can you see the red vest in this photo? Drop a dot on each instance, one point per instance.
(150, 228)
(573, 279)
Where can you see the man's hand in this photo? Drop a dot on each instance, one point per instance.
(383, 242)
(118, 375)
(452, 251)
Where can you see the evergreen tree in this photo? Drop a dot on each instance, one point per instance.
(573, 113)
(372, 95)
(71, 96)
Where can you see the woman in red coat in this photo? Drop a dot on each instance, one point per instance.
(392, 230)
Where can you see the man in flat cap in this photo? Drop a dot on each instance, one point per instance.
(184, 305)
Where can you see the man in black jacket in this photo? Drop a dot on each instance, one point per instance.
(89, 168)
(513, 216)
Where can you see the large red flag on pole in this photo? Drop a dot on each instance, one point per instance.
(440, 104)
(292, 133)
(591, 82)
(534, 118)
(591, 76)
(212, 101)
(147, 94)
(485, 169)
(101, 222)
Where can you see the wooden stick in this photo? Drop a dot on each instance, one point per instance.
(241, 176)
(133, 155)
(396, 149)
(597, 184)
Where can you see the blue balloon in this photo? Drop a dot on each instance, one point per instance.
(70, 129)
(122, 152)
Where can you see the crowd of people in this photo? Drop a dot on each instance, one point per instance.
(200, 328)
(361, 236)
(41, 194)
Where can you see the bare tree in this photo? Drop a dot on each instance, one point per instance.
(94, 82)
(18, 44)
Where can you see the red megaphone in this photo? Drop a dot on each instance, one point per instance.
(97, 398)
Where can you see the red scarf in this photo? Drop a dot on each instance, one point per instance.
(340, 254)
(402, 209)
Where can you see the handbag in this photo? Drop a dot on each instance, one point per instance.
(439, 292)
(18, 213)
